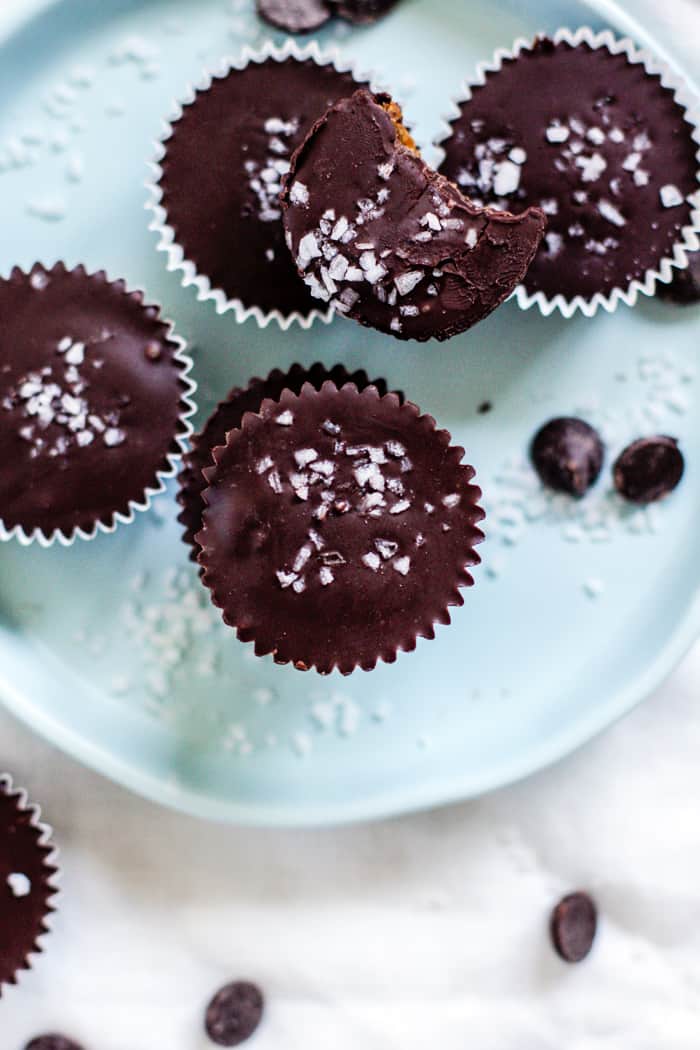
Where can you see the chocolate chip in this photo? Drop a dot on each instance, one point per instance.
(234, 1013)
(684, 289)
(294, 16)
(573, 927)
(484, 407)
(649, 469)
(567, 453)
(52, 1042)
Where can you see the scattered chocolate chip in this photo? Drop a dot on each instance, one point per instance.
(684, 289)
(649, 469)
(234, 1013)
(52, 1042)
(573, 927)
(294, 16)
(567, 453)
(484, 407)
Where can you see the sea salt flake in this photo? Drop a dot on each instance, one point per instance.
(402, 565)
(591, 167)
(452, 500)
(302, 557)
(299, 194)
(326, 576)
(517, 155)
(671, 196)
(557, 133)
(114, 437)
(387, 548)
(400, 507)
(431, 221)
(286, 579)
(308, 249)
(285, 419)
(406, 282)
(596, 136)
(275, 482)
(632, 161)
(611, 213)
(371, 560)
(507, 179)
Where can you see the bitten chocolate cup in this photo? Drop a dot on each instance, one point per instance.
(217, 174)
(94, 404)
(340, 527)
(610, 154)
(228, 415)
(28, 874)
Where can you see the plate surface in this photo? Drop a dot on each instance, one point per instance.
(110, 648)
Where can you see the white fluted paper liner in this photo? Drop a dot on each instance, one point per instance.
(176, 261)
(685, 98)
(51, 862)
(183, 363)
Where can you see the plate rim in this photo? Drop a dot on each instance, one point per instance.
(391, 802)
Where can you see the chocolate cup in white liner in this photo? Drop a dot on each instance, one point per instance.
(672, 257)
(95, 404)
(339, 527)
(28, 881)
(246, 270)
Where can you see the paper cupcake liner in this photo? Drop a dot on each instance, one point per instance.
(252, 625)
(47, 861)
(179, 444)
(238, 401)
(167, 241)
(685, 98)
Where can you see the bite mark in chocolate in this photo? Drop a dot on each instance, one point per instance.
(568, 453)
(383, 239)
(608, 156)
(348, 524)
(649, 469)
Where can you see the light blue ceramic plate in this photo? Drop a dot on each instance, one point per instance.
(110, 650)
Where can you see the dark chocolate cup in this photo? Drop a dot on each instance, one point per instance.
(228, 415)
(87, 523)
(688, 241)
(28, 881)
(191, 272)
(334, 602)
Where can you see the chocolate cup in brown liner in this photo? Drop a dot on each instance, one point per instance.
(350, 569)
(94, 404)
(228, 415)
(27, 881)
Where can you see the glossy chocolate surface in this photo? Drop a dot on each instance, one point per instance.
(594, 141)
(90, 399)
(339, 528)
(387, 241)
